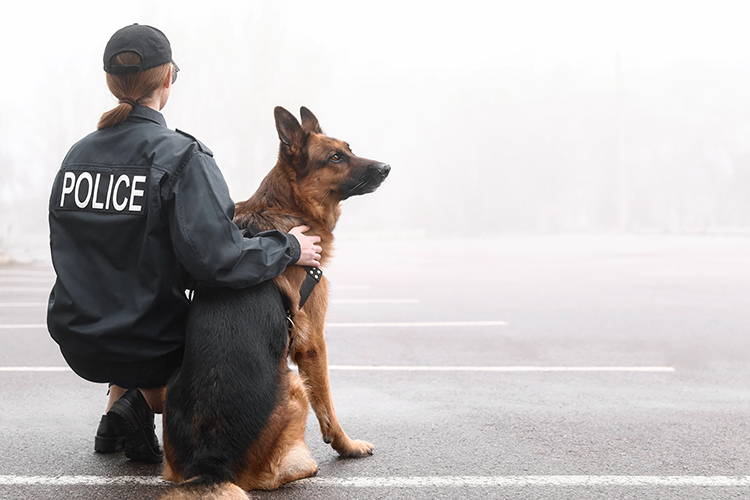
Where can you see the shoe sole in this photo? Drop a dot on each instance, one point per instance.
(138, 449)
(103, 444)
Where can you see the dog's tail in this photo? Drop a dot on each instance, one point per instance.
(203, 488)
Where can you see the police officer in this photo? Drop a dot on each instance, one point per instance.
(139, 213)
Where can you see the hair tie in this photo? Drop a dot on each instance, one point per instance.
(128, 100)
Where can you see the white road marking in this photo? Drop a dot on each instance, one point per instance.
(80, 480)
(515, 481)
(27, 272)
(374, 301)
(333, 301)
(508, 369)
(414, 481)
(26, 279)
(386, 368)
(407, 324)
(35, 369)
(510, 481)
(417, 324)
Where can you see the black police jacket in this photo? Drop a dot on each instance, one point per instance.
(137, 212)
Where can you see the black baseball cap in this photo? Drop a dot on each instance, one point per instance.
(146, 41)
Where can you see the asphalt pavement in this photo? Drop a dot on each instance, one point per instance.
(607, 366)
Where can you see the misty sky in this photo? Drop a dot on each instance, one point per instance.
(495, 116)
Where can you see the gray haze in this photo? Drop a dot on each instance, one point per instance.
(495, 116)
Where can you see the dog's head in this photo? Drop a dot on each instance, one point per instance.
(321, 163)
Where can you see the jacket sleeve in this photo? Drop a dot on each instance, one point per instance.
(208, 243)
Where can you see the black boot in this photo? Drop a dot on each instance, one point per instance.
(130, 415)
(107, 440)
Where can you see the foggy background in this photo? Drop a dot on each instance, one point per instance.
(496, 117)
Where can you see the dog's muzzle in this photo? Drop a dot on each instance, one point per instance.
(371, 179)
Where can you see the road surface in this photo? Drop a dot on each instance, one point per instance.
(547, 367)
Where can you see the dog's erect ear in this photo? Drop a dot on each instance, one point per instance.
(289, 129)
(309, 122)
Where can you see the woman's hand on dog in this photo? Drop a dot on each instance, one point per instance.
(309, 251)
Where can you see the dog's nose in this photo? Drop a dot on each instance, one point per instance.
(384, 169)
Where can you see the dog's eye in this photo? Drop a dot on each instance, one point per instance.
(335, 158)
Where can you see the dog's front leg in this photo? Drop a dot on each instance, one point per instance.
(312, 360)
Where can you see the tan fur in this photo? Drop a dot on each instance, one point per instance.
(223, 491)
(280, 454)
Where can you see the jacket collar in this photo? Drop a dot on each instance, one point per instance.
(141, 113)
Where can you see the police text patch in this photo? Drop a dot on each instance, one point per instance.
(109, 191)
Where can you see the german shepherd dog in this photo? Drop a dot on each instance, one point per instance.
(235, 414)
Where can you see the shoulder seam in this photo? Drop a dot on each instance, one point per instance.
(174, 175)
(202, 147)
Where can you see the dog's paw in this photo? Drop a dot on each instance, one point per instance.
(354, 449)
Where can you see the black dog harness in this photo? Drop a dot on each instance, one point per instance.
(312, 278)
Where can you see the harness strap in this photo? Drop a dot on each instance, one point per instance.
(312, 278)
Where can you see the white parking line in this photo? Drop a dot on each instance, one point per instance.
(417, 324)
(23, 327)
(333, 301)
(374, 301)
(427, 324)
(510, 481)
(35, 369)
(392, 368)
(515, 481)
(508, 369)
(27, 272)
(26, 279)
(80, 480)
(414, 481)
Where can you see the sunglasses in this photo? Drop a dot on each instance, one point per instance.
(175, 70)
